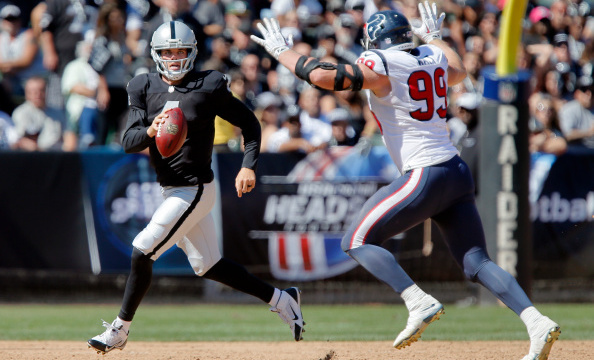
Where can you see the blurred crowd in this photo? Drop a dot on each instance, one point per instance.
(64, 66)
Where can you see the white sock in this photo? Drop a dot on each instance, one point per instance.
(412, 295)
(125, 324)
(530, 317)
(275, 297)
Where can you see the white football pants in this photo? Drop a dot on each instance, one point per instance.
(184, 219)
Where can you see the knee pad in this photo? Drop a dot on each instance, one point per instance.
(474, 260)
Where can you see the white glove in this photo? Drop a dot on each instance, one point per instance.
(430, 27)
(274, 42)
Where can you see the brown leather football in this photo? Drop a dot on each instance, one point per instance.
(172, 133)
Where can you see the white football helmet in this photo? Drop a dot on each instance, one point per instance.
(174, 35)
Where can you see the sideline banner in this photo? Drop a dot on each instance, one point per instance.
(41, 222)
(294, 219)
(81, 211)
(563, 214)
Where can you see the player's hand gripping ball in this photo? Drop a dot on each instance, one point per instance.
(172, 133)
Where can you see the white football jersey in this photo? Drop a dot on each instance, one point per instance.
(412, 117)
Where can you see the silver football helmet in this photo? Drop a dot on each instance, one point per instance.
(173, 35)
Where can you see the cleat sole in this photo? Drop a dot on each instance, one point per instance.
(552, 336)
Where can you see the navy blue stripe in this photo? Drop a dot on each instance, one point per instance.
(383, 60)
(172, 27)
(180, 221)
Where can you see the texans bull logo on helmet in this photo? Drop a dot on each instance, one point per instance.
(386, 29)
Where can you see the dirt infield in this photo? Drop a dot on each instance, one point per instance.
(443, 350)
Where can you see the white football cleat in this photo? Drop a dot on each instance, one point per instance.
(542, 337)
(288, 308)
(112, 338)
(421, 315)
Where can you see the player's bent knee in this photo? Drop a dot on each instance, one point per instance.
(351, 241)
(141, 263)
(474, 260)
(345, 244)
(139, 255)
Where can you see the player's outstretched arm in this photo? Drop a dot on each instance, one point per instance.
(323, 75)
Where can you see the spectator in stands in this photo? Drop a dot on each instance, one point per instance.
(7, 105)
(465, 24)
(313, 128)
(549, 80)
(545, 133)
(343, 133)
(254, 79)
(561, 57)
(487, 29)
(560, 19)
(242, 45)
(211, 15)
(308, 7)
(326, 42)
(346, 49)
(362, 119)
(8, 134)
(576, 118)
(219, 60)
(38, 126)
(63, 24)
(111, 59)
(465, 118)
(237, 14)
(540, 30)
(360, 11)
(36, 15)
(19, 55)
(464, 131)
(79, 86)
(289, 137)
(525, 60)
(327, 104)
(575, 40)
(268, 111)
(473, 62)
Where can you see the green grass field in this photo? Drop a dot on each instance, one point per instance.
(256, 323)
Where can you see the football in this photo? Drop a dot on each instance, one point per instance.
(172, 133)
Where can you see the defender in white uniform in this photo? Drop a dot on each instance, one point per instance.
(412, 116)
(407, 88)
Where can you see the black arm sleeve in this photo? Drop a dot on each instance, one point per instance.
(303, 69)
(237, 113)
(135, 138)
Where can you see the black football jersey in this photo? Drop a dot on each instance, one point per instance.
(201, 96)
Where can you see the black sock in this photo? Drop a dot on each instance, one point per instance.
(236, 276)
(139, 281)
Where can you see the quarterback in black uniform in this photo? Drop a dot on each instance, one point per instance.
(186, 178)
